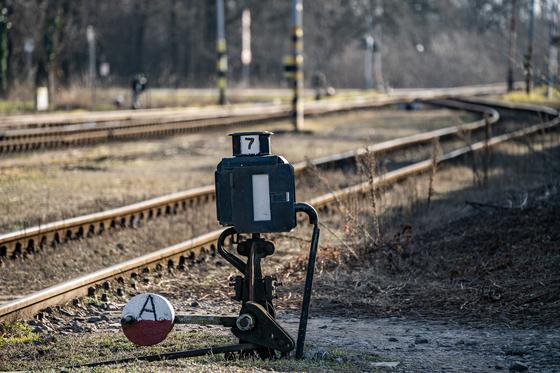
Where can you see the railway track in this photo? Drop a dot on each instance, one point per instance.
(28, 121)
(178, 255)
(29, 240)
(166, 124)
(27, 133)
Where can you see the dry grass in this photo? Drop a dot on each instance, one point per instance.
(455, 260)
(537, 96)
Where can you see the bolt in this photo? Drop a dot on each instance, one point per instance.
(128, 319)
(245, 322)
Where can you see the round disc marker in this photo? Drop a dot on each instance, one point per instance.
(147, 319)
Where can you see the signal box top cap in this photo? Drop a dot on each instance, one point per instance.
(251, 143)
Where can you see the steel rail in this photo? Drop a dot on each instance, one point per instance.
(26, 240)
(25, 139)
(207, 112)
(29, 305)
(167, 122)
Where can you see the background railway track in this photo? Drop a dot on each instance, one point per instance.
(46, 120)
(27, 139)
(28, 240)
(178, 255)
(27, 133)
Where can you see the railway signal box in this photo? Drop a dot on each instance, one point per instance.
(255, 190)
(255, 193)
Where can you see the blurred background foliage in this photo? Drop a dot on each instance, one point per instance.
(424, 43)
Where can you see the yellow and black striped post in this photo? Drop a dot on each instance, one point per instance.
(294, 65)
(221, 64)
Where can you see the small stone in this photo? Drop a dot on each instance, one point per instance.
(94, 319)
(518, 366)
(76, 327)
(515, 351)
(420, 340)
(56, 320)
(393, 339)
(319, 354)
(385, 364)
(323, 327)
(194, 304)
(66, 313)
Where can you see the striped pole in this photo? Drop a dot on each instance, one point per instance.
(221, 65)
(297, 58)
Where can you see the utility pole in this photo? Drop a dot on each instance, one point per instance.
(529, 55)
(221, 51)
(246, 55)
(552, 47)
(297, 56)
(90, 34)
(512, 49)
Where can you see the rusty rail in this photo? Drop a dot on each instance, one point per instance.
(28, 306)
(27, 240)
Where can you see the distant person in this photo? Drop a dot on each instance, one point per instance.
(138, 86)
(319, 84)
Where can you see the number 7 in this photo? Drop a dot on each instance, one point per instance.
(251, 141)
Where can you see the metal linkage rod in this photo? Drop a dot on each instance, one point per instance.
(174, 355)
(302, 330)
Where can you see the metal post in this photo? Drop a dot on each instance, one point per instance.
(377, 61)
(246, 55)
(29, 47)
(297, 55)
(368, 62)
(553, 47)
(90, 34)
(512, 45)
(529, 56)
(221, 50)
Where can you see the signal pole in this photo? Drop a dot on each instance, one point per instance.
(512, 45)
(297, 56)
(221, 65)
(246, 55)
(529, 55)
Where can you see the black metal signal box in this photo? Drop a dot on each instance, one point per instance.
(255, 191)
